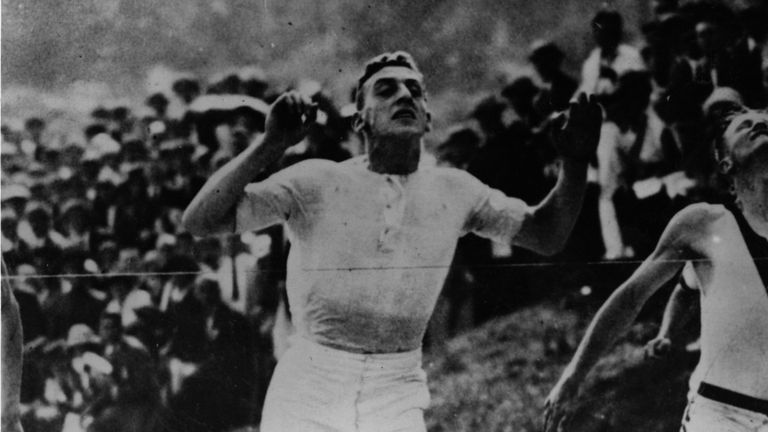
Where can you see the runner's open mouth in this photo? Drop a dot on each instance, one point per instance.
(757, 133)
(405, 113)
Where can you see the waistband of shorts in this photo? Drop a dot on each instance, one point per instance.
(305, 344)
(736, 399)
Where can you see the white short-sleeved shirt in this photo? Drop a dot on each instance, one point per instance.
(370, 251)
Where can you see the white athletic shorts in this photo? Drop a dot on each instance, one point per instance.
(316, 388)
(706, 415)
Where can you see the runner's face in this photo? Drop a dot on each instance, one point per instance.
(747, 141)
(395, 103)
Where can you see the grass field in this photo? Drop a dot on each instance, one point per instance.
(496, 378)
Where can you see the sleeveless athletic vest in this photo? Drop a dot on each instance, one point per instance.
(757, 245)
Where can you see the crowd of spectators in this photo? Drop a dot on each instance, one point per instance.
(659, 95)
(131, 323)
(120, 306)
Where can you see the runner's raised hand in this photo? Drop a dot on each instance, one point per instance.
(577, 133)
(289, 119)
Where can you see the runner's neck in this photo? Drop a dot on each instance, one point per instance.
(394, 156)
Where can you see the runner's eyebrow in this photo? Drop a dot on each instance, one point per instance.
(744, 124)
(414, 86)
(382, 84)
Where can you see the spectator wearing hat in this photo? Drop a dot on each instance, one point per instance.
(74, 220)
(134, 370)
(159, 104)
(224, 83)
(186, 89)
(122, 122)
(244, 125)
(152, 279)
(92, 382)
(253, 82)
(14, 251)
(27, 290)
(559, 87)
(520, 94)
(108, 151)
(11, 158)
(180, 177)
(135, 213)
(39, 182)
(165, 249)
(125, 296)
(33, 145)
(611, 58)
(16, 196)
(104, 209)
(81, 302)
(36, 234)
(101, 116)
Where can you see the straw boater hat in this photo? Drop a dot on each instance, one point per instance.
(74, 205)
(81, 334)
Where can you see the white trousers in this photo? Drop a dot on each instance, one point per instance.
(316, 388)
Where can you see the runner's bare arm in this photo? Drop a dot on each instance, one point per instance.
(549, 224)
(213, 208)
(680, 309)
(620, 310)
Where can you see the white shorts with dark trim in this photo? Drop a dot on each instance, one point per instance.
(707, 415)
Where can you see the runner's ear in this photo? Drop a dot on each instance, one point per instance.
(725, 165)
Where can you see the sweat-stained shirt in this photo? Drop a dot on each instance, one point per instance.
(370, 251)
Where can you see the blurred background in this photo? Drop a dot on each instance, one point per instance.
(72, 56)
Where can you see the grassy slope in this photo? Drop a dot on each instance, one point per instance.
(496, 378)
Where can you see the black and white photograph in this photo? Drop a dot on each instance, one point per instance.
(384, 216)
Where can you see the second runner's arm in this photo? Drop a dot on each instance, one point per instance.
(620, 310)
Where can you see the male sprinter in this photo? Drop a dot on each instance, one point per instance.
(372, 239)
(729, 252)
